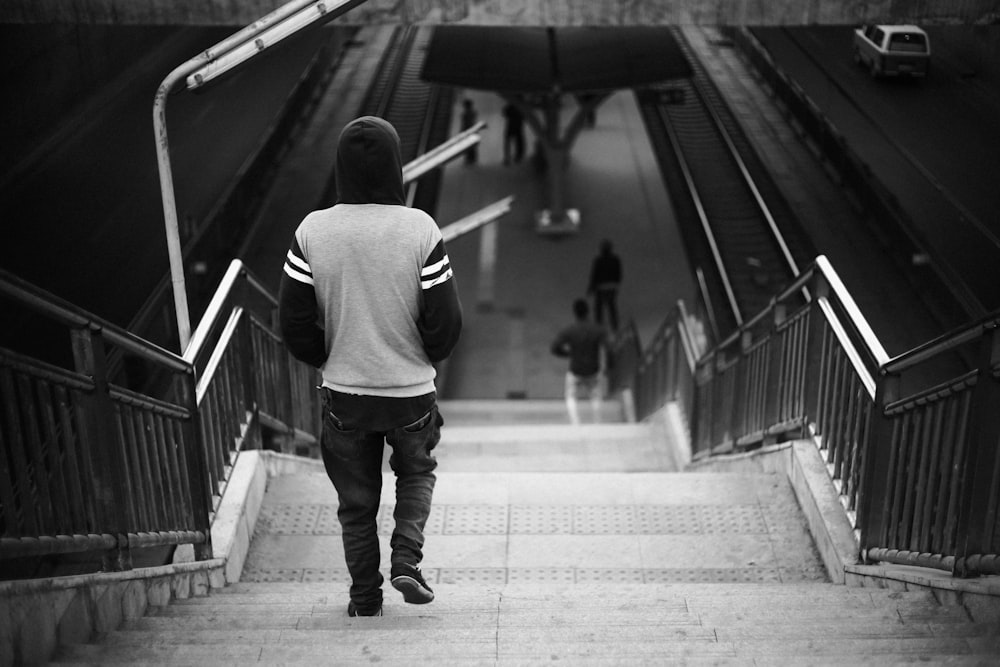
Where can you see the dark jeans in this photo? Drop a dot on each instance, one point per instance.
(353, 461)
(605, 298)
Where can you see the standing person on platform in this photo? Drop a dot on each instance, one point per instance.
(468, 119)
(513, 133)
(367, 296)
(605, 277)
(586, 345)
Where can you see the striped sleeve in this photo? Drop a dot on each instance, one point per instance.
(298, 312)
(437, 268)
(296, 266)
(440, 321)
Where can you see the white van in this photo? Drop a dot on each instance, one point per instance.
(892, 50)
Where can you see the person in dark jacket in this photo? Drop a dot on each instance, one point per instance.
(605, 277)
(586, 345)
(469, 118)
(367, 295)
(513, 133)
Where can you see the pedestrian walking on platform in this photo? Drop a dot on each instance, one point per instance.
(586, 346)
(367, 296)
(513, 134)
(469, 118)
(605, 277)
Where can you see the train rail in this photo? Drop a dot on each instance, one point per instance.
(741, 235)
(420, 112)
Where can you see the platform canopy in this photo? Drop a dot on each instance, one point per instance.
(541, 60)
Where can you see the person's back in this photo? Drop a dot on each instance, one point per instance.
(582, 342)
(586, 345)
(367, 296)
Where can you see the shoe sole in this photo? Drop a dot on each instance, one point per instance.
(413, 592)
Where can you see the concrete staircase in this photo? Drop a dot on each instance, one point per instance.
(547, 543)
(515, 624)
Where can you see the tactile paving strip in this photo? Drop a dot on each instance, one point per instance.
(712, 575)
(297, 519)
(731, 519)
(478, 575)
(541, 519)
(604, 520)
(667, 520)
(475, 520)
(564, 575)
(291, 519)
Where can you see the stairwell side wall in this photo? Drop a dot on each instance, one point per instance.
(671, 435)
(803, 464)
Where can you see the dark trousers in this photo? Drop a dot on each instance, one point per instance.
(606, 299)
(353, 461)
(515, 141)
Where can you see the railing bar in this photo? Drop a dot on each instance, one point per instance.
(19, 547)
(853, 312)
(45, 371)
(208, 424)
(958, 466)
(919, 491)
(176, 435)
(956, 385)
(847, 345)
(75, 468)
(932, 501)
(897, 465)
(219, 352)
(89, 458)
(59, 499)
(161, 487)
(218, 434)
(910, 466)
(148, 403)
(7, 482)
(67, 314)
(33, 442)
(168, 462)
(136, 501)
(943, 490)
(943, 343)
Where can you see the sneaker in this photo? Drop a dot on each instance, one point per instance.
(407, 580)
(353, 610)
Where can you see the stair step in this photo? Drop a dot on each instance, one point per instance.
(583, 624)
(500, 412)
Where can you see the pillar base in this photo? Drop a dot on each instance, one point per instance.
(549, 225)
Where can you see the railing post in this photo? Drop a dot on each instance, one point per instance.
(776, 356)
(110, 468)
(814, 369)
(876, 455)
(978, 506)
(742, 387)
(197, 464)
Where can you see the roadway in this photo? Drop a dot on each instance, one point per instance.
(934, 143)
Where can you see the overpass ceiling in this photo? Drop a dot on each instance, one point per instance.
(531, 60)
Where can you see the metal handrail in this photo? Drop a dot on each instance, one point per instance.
(942, 344)
(65, 313)
(821, 372)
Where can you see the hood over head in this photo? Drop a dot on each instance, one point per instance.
(369, 165)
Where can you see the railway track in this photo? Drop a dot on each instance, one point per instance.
(420, 112)
(740, 233)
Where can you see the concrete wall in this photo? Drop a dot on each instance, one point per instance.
(48, 69)
(511, 12)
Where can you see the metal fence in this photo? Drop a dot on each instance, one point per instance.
(90, 465)
(918, 470)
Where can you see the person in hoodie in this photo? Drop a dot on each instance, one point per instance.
(367, 296)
